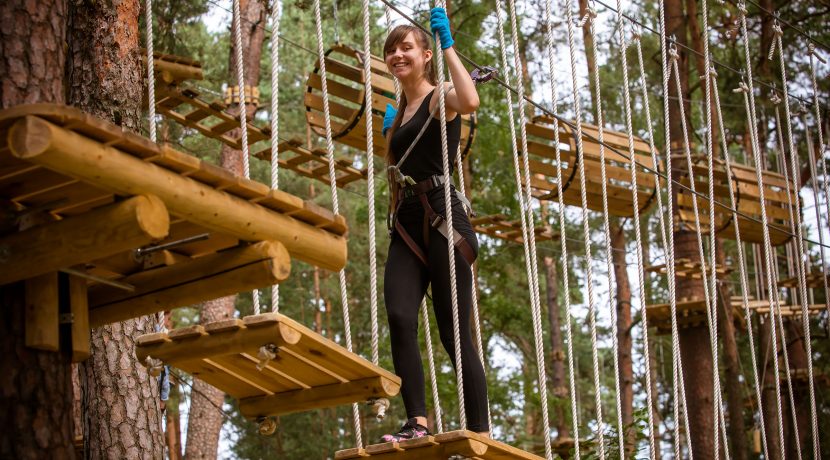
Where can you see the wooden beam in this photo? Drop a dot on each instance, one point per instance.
(220, 344)
(79, 307)
(42, 331)
(185, 283)
(44, 143)
(99, 233)
(317, 397)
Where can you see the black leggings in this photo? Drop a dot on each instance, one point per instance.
(406, 281)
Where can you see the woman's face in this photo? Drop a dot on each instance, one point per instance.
(406, 60)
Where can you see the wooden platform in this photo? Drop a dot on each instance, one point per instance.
(465, 444)
(173, 70)
(690, 313)
(307, 371)
(60, 162)
(186, 107)
(685, 268)
(542, 151)
(814, 280)
(499, 226)
(313, 163)
(747, 201)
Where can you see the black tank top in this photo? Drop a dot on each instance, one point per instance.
(425, 159)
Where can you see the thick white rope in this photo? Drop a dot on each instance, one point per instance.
(586, 232)
(158, 318)
(804, 308)
(678, 385)
(344, 296)
(527, 229)
(674, 57)
(801, 296)
(275, 85)
(750, 103)
(713, 290)
(816, 207)
(243, 124)
(536, 309)
(590, 17)
(370, 180)
(638, 236)
(445, 162)
(741, 264)
(436, 399)
(820, 156)
(562, 232)
(459, 164)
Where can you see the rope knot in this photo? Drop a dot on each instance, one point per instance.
(776, 28)
(589, 16)
(742, 88)
(774, 97)
(811, 49)
(636, 33)
(742, 7)
(673, 54)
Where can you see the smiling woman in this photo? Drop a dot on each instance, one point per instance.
(418, 255)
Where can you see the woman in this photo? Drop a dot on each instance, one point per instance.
(418, 253)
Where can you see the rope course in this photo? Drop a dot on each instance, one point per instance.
(215, 234)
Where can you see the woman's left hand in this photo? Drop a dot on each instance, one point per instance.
(439, 23)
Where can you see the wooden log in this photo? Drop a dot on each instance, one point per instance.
(44, 143)
(204, 278)
(42, 331)
(220, 344)
(317, 397)
(79, 307)
(99, 233)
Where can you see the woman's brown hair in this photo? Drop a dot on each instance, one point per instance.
(397, 35)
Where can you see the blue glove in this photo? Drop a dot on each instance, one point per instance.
(389, 117)
(439, 23)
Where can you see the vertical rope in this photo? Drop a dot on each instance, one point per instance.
(678, 386)
(741, 264)
(536, 309)
(436, 400)
(344, 296)
(816, 207)
(749, 99)
(804, 310)
(240, 78)
(445, 161)
(474, 295)
(590, 17)
(586, 233)
(821, 148)
(562, 233)
(370, 180)
(638, 236)
(275, 99)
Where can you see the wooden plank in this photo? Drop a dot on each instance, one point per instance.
(318, 397)
(79, 307)
(41, 316)
(97, 234)
(44, 143)
(237, 270)
(460, 443)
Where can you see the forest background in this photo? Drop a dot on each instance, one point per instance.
(201, 31)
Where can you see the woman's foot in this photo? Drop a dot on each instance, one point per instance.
(410, 430)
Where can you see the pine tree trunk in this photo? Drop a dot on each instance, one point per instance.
(36, 400)
(206, 419)
(122, 414)
(731, 367)
(624, 341)
(695, 349)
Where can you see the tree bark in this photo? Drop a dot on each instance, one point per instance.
(731, 367)
(624, 341)
(589, 55)
(798, 361)
(122, 413)
(37, 405)
(205, 420)
(557, 354)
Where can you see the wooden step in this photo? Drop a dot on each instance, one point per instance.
(440, 447)
(501, 227)
(313, 164)
(308, 371)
